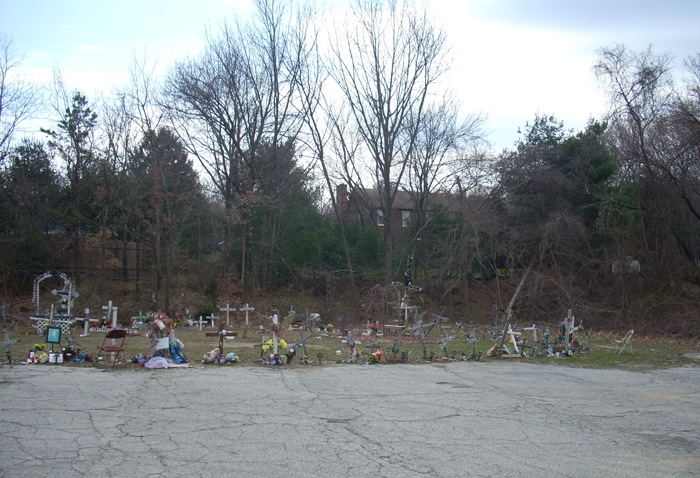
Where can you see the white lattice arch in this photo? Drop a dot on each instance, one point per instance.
(68, 289)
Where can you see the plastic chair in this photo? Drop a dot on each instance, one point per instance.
(113, 344)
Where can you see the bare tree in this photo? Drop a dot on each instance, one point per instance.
(387, 58)
(19, 99)
(655, 131)
(238, 98)
(446, 156)
(640, 90)
(134, 112)
(321, 122)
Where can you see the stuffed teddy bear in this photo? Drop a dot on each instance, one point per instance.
(211, 357)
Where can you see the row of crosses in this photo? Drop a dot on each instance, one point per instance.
(228, 309)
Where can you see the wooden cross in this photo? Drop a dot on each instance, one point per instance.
(424, 330)
(52, 321)
(405, 307)
(211, 317)
(473, 340)
(139, 318)
(275, 322)
(445, 341)
(569, 330)
(534, 331)
(111, 313)
(247, 309)
(228, 310)
(86, 322)
(222, 335)
(112, 310)
(262, 342)
(7, 342)
(513, 337)
(302, 342)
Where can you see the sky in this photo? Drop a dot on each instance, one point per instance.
(510, 59)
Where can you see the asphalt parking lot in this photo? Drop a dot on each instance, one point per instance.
(501, 419)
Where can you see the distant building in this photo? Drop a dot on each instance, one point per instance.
(366, 205)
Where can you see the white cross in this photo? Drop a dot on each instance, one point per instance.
(405, 307)
(534, 331)
(86, 322)
(228, 309)
(247, 309)
(513, 334)
(211, 317)
(111, 311)
(569, 329)
(275, 320)
(138, 318)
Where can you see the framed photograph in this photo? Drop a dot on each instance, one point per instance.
(53, 335)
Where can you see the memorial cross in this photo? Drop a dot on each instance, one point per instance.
(262, 342)
(111, 313)
(534, 331)
(228, 310)
(275, 330)
(86, 322)
(302, 342)
(222, 334)
(513, 337)
(405, 307)
(568, 330)
(246, 308)
(112, 310)
(137, 320)
(473, 340)
(7, 342)
(211, 318)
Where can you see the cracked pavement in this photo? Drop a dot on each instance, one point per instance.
(440, 420)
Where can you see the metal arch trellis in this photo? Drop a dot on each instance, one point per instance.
(68, 290)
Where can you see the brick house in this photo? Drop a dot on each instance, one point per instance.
(365, 205)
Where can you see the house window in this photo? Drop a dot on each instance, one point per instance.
(405, 218)
(380, 217)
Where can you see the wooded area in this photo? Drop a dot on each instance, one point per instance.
(229, 166)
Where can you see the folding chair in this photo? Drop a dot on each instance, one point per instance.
(626, 340)
(113, 344)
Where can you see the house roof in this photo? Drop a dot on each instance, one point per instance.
(372, 198)
(404, 201)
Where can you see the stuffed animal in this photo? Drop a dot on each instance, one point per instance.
(212, 356)
(274, 360)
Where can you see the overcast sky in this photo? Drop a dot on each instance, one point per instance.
(511, 58)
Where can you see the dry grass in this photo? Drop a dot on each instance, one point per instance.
(644, 355)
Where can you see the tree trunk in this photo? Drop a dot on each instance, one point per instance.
(244, 244)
